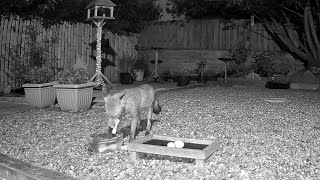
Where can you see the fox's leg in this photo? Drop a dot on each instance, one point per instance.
(138, 121)
(149, 121)
(134, 123)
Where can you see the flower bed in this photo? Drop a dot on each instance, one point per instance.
(259, 139)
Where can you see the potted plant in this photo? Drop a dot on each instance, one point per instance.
(39, 90)
(74, 92)
(125, 65)
(139, 69)
(200, 70)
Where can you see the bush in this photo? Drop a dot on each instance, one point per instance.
(243, 61)
(78, 74)
(268, 64)
(31, 53)
(39, 75)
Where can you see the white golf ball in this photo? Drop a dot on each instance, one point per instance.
(179, 144)
(171, 144)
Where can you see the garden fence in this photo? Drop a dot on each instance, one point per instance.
(75, 41)
(213, 34)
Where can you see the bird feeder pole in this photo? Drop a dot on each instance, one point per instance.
(99, 8)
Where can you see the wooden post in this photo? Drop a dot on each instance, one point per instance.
(98, 73)
(156, 64)
(225, 72)
(200, 163)
(134, 156)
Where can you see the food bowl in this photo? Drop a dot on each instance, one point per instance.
(103, 143)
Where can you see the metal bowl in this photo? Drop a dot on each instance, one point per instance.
(102, 143)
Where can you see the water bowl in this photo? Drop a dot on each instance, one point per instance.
(103, 143)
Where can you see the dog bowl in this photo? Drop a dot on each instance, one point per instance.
(103, 143)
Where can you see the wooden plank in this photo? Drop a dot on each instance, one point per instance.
(62, 47)
(216, 34)
(9, 43)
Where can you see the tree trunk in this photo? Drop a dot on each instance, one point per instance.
(283, 35)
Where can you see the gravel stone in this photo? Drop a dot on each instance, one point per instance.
(259, 139)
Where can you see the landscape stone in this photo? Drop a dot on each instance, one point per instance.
(305, 80)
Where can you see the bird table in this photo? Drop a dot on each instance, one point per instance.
(225, 60)
(155, 73)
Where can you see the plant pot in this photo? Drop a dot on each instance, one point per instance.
(74, 97)
(183, 80)
(139, 74)
(40, 95)
(126, 78)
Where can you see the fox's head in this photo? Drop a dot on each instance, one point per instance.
(113, 107)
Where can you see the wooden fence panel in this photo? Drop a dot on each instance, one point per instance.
(213, 34)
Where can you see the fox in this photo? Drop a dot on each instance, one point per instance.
(133, 101)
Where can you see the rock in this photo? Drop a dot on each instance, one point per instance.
(304, 80)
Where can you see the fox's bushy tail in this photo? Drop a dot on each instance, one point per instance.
(156, 107)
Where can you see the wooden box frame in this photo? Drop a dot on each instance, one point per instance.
(137, 146)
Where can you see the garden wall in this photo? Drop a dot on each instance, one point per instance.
(75, 41)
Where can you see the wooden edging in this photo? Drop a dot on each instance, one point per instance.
(11, 168)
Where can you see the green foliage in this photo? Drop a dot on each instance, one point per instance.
(201, 66)
(269, 65)
(129, 14)
(126, 63)
(205, 9)
(265, 64)
(31, 52)
(39, 75)
(243, 61)
(140, 64)
(77, 74)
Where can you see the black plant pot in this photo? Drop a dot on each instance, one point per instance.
(276, 85)
(183, 80)
(126, 78)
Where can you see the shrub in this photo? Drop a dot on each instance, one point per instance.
(243, 61)
(39, 75)
(270, 64)
(31, 52)
(77, 74)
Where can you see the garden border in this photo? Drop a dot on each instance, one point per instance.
(11, 168)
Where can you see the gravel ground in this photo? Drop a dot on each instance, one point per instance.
(259, 139)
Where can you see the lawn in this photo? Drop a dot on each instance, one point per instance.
(259, 139)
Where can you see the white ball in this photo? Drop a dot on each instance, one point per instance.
(179, 144)
(171, 144)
